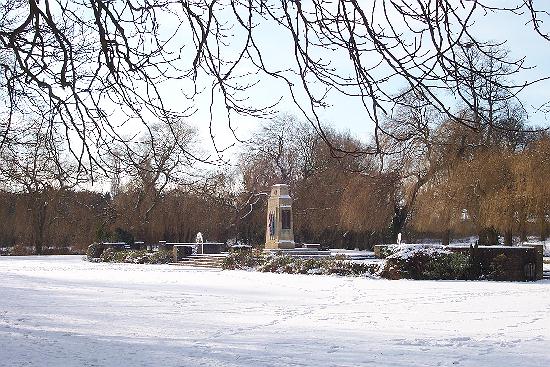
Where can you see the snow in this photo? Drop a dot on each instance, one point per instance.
(406, 251)
(62, 311)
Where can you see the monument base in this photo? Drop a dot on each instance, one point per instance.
(280, 245)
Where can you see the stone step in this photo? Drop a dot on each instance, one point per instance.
(203, 261)
(361, 257)
(299, 252)
(193, 265)
(207, 256)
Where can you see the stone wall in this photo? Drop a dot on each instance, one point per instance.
(519, 263)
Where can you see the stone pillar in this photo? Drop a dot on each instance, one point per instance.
(279, 234)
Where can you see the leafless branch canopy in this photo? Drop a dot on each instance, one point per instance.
(92, 69)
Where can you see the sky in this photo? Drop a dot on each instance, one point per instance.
(347, 114)
(343, 113)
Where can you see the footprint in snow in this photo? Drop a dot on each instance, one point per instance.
(334, 349)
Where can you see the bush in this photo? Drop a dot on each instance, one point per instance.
(20, 250)
(136, 256)
(280, 264)
(161, 257)
(95, 250)
(110, 255)
(293, 265)
(426, 262)
(243, 260)
(388, 250)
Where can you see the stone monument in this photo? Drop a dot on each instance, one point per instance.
(279, 234)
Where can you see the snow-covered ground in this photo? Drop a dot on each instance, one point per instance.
(62, 311)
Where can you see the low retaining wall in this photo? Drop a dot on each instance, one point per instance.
(512, 263)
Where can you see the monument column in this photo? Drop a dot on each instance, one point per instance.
(279, 234)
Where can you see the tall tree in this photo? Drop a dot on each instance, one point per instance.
(35, 166)
(98, 66)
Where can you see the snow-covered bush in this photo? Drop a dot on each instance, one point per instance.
(279, 264)
(243, 260)
(161, 257)
(136, 257)
(95, 250)
(388, 250)
(426, 262)
(20, 250)
(111, 255)
(295, 265)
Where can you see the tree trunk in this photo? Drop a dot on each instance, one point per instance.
(523, 227)
(488, 237)
(492, 237)
(542, 227)
(398, 221)
(482, 237)
(40, 224)
(446, 238)
(508, 238)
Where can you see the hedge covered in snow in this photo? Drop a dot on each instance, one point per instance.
(426, 262)
(259, 261)
(100, 253)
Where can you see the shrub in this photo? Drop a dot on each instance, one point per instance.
(279, 264)
(161, 257)
(257, 260)
(294, 265)
(426, 262)
(243, 260)
(109, 255)
(388, 250)
(95, 250)
(351, 269)
(136, 256)
(20, 250)
(448, 266)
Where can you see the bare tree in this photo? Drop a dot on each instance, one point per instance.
(96, 66)
(35, 167)
(277, 146)
(160, 162)
(412, 151)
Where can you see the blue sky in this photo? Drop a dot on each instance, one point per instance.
(347, 113)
